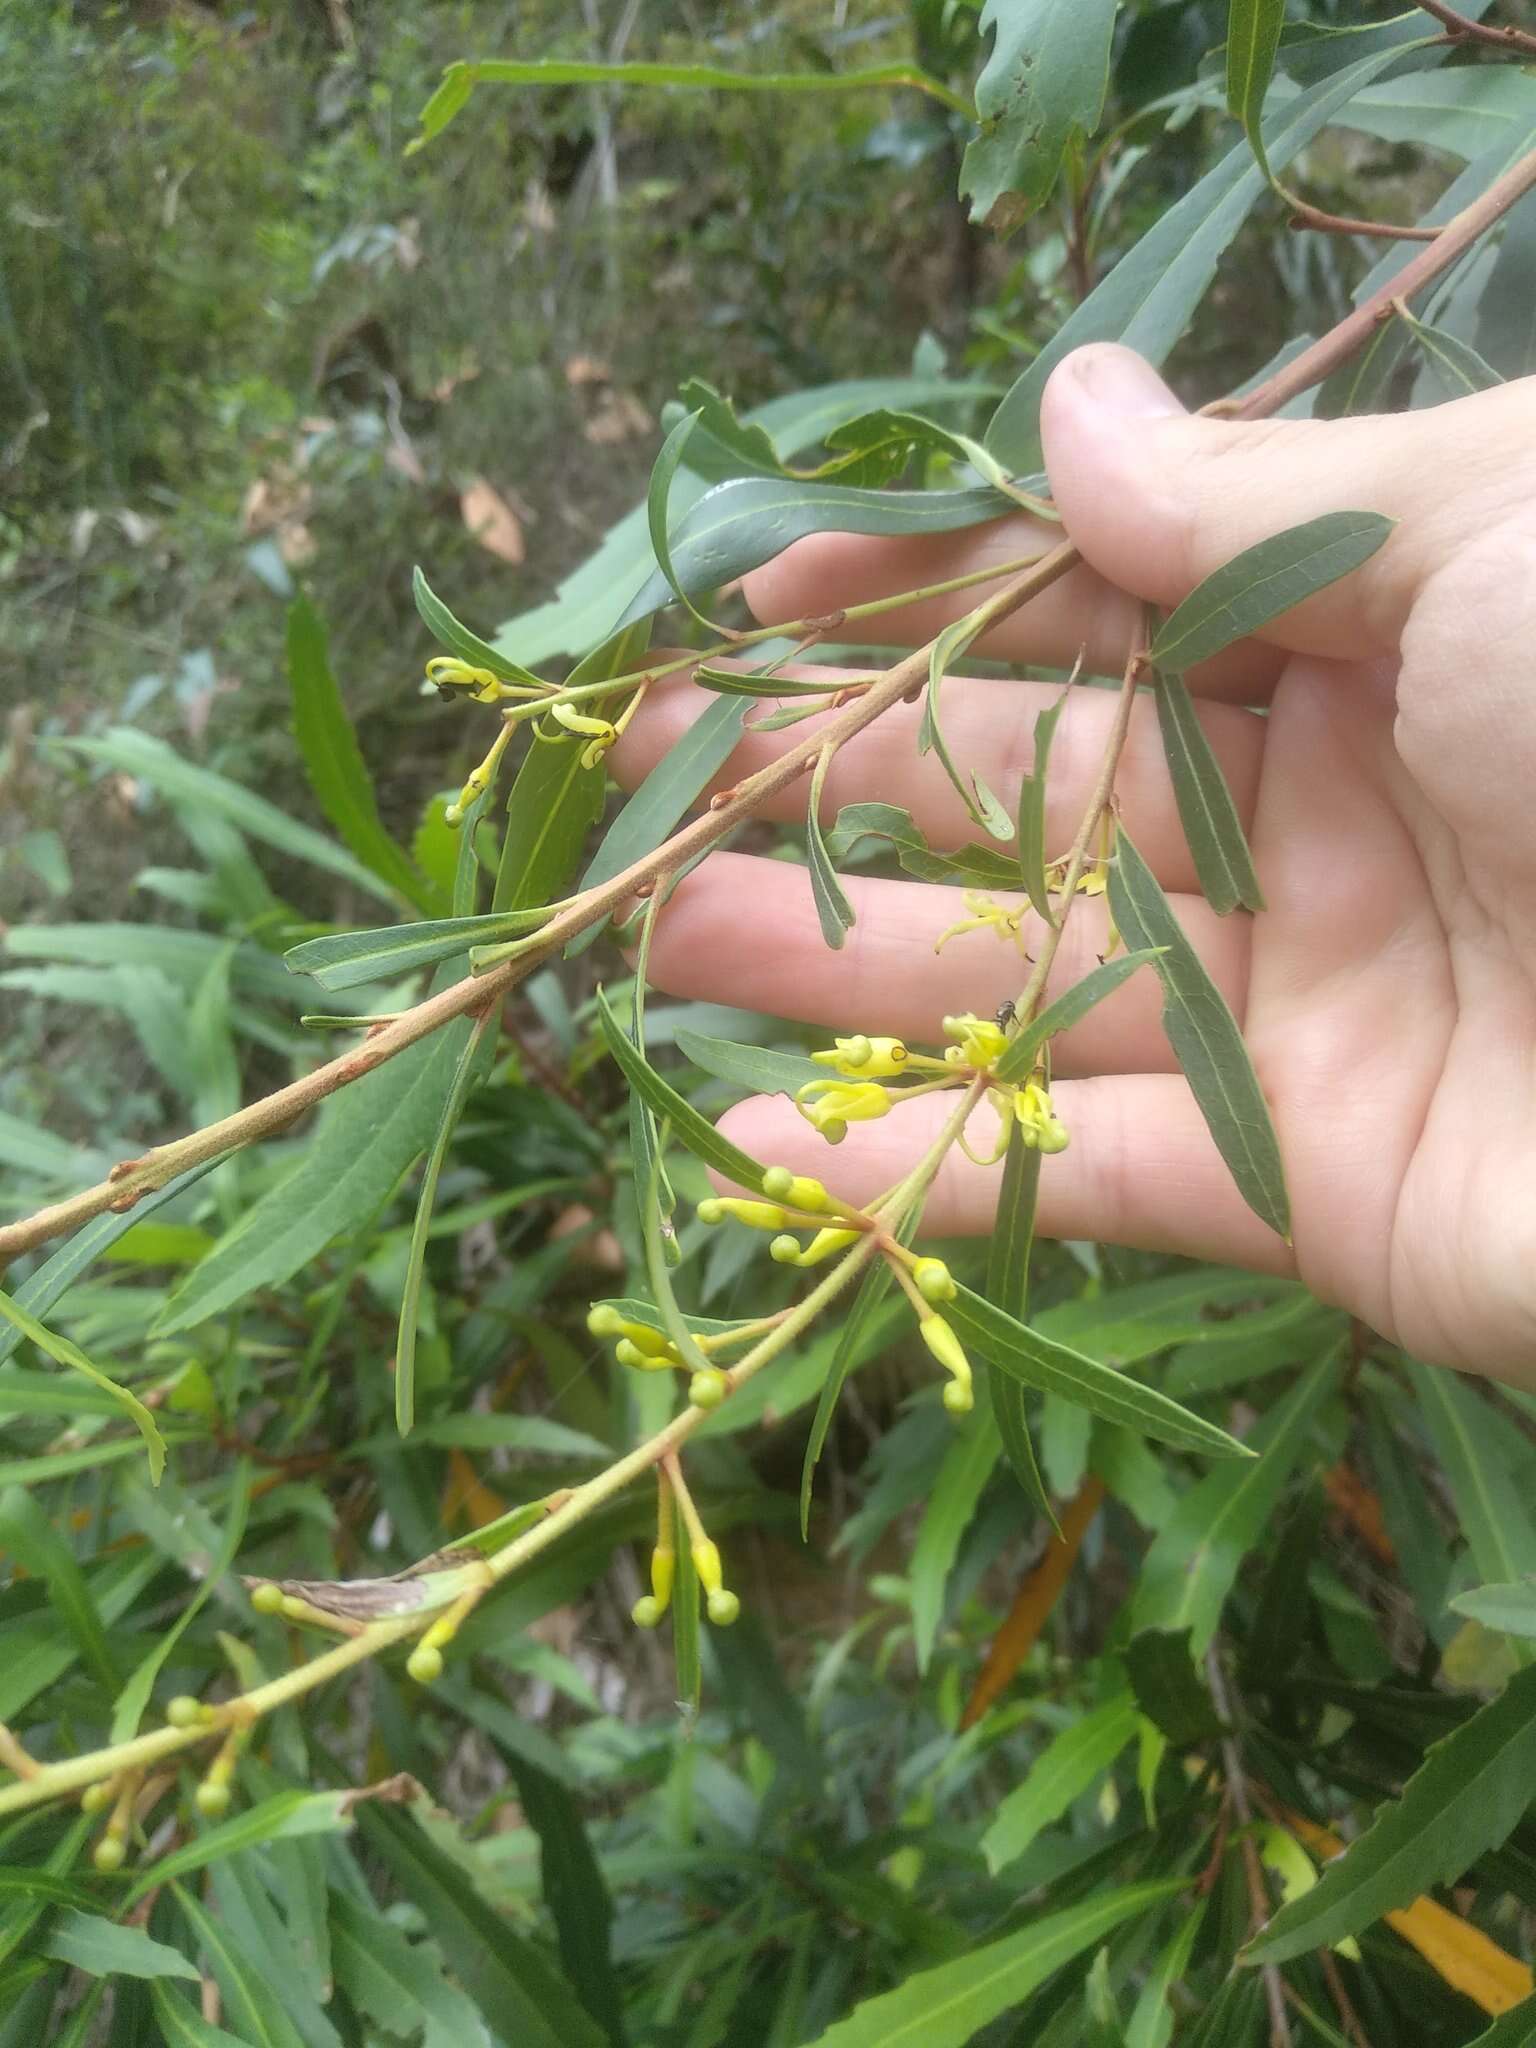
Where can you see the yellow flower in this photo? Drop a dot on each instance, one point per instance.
(979, 1041)
(983, 915)
(446, 672)
(833, 1105)
(603, 733)
(1092, 882)
(1042, 1129)
(864, 1059)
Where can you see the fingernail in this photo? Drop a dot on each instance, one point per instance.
(1121, 382)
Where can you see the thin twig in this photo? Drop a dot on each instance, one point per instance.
(1258, 1898)
(1305, 215)
(1464, 30)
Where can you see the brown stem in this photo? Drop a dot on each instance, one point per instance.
(1356, 328)
(1305, 215)
(1465, 31)
(1258, 1898)
(136, 1177)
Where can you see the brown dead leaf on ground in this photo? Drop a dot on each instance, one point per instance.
(492, 522)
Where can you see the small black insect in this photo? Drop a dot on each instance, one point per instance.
(1006, 1014)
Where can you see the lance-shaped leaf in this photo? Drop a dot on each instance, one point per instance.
(1464, 1799)
(751, 1066)
(1205, 1038)
(1009, 1252)
(1264, 581)
(63, 1352)
(1031, 813)
(871, 1292)
(1206, 810)
(949, 2005)
(471, 1068)
(688, 1126)
(1195, 1558)
(460, 79)
(1042, 87)
(982, 807)
(342, 960)
(833, 909)
(1455, 363)
(976, 867)
(1163, 1678)
(334, 762)
(962, 1477)
(1069, 1009)
(1253, 36)
(1506, 313)
(1147, 299)
(1513, 2029)
(1063, 1771)
(1511, 1609)
(657, 500)
(1012, 1347)
(742, 523)
(458, 639)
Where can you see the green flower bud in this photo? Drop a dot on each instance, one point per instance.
(722, 1608)
(646, 1612)
(212, 1799)
(785, 1250)
(95, 1797)
(795, 1190)
(183, 1711)
(708, 1389)
(933, 1280)
(604, 1320)
(425, 1664)
(109, 1854)
(267, 1598)
(958, 1398)
(711, 1210)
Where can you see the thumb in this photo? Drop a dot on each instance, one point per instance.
(1156, 497)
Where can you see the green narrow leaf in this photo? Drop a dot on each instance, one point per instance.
(341, 960)
(1264, 582)
(1506, 313)
(1212, 828)
(740, 524)
(1031, 813)
(283, 1816)
(63, 1352)
(1472, 1443)
(947, 2006)
(657, 500)
(334, 762)
(1040, 91)
(1033, 1358)
(1161, 1669)
(27, 1535)
(1018, 1061)
(519, 1995)
(104, 1949)
(1516, 2029)
(872, 1290)
(1511, 1609)
(981, 867)
(366, 1139)
(151, 760)
(968, 1465)
(1275, 1641)
(575, 1894)
(833, 909)
(981, 806)
(447, 632)
(1060, 1775)
(1147, 299)
(691, 1129)
(756, 1067)
(1009, 1252)
(685, 1618)
(470, 1070)
(1195, 1558)
(1464, 1799)
(1456, 363)
(248, 1998)
(395, 1981)
(1253, 37)
(1151, 2024)
(1205, 1039)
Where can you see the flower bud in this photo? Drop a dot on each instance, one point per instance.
(706, 1562)
(604, 1320)
(109, 1854)
(267, 1598)
(933, 1280)
(785, 1250)
(425, 1664)
(708, 1389)
(628, 1352)
(647, 1611)
(948, 1350)
(95, 1797)
(756, 1215)
(865, 1059)
(795, 1190)
(183, 1711)
(212, 1799)
(824, 1244)
(958, 1398)
(722, 1608)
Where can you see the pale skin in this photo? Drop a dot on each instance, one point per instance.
(1387, 994)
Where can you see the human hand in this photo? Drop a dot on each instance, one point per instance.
(1387, 994)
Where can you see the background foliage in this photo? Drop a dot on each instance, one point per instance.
(252, 354)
